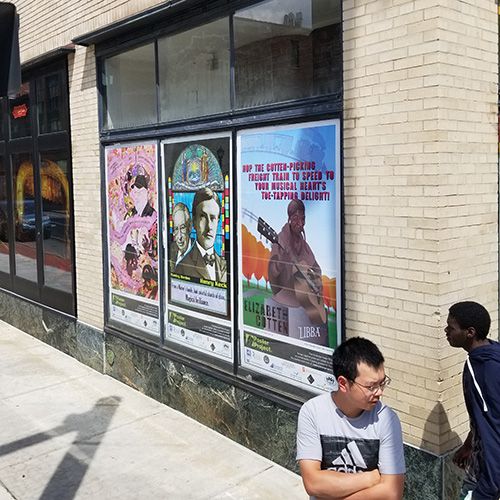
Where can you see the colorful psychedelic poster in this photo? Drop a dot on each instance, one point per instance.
(132, 213)
(289, 236)
(198, 237)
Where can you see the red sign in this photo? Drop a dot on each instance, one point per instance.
(19, 111)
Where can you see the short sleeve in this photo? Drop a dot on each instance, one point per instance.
(308, 439)
(391, 452)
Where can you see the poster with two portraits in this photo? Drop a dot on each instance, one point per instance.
(198, 237)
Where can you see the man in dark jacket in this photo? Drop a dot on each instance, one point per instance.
(468, 327)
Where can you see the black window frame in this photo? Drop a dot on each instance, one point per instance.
(35, 145)
(308, 109)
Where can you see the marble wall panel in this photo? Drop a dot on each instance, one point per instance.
(55, 329)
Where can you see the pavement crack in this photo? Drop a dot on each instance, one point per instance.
(4, 486)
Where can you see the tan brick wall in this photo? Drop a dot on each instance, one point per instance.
(87, 187)
(49, 24)
(420, 170)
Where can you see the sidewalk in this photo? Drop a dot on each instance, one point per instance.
(68, 432)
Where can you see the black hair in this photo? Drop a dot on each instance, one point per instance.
(141, 181)
(353, 351)
(130, 252)
(148, 273)
(138, 173)
(294, 206)
(471, 314)
(205, 194)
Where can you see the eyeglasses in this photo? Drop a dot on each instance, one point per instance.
(375, 387)
(182, 228)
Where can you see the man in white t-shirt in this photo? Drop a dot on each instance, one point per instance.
(349, 444)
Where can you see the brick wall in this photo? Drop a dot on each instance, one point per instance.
(49, 24)
(86, 186)
(420, 167)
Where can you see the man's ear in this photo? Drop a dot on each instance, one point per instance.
(343, 383)
(471, 332)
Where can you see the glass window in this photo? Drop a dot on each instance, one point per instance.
(20, 113)
(195, 72)
(50, 103)
(4, 225)
(56, 221)
(130, 88)
(287, 50)
(1, 118)
(25, 216)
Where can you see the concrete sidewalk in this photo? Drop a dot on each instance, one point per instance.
(69, 432)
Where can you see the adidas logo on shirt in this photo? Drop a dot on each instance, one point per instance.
(350, 460)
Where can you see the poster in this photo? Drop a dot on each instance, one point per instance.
(289, 235)
(198, 238)
(132, 203)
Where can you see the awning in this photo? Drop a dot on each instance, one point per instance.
(138, 21)
(48, 57)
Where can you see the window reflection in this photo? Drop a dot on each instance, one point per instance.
(24, 217)
(131, 88)
(4, 233)
(20, 113)
(56, 221)
(287, 50)
(194, 72)
(50, 103)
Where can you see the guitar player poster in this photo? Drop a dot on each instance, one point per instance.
(198, 238)
(289, 236)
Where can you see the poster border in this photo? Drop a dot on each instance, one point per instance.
(164, 230)
(338, 247)
(111, 319)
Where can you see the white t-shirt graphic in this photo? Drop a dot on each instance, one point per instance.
(371, 441)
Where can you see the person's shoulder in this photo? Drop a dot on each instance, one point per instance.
(191, 255)
(220, 259)
(186, 263)
(317, 402)
(386, 414)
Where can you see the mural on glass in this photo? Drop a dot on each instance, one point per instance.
(198, 210)
(133, 235)
(290, 251)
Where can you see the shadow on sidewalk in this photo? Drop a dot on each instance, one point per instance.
(90, 427)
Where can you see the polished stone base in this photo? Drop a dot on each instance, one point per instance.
(252, 420)
(63, 332)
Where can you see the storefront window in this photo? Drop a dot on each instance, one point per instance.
(4, 233)
(56, 221)
(287, 50)
(50, 103)
(20, 113)
(290, 270)
(36, 213)
(195, 72)
(130, 88)
(25, 217)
